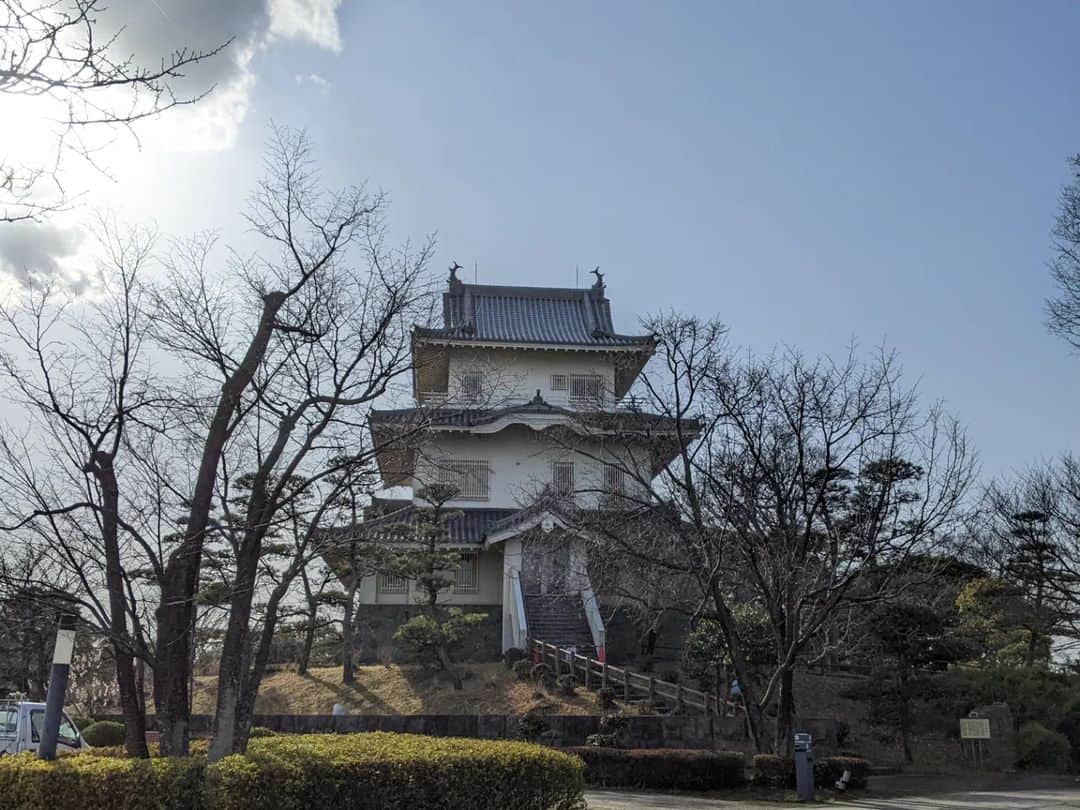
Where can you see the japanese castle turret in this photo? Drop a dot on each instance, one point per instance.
(520, 404)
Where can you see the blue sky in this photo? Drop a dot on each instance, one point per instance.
(808, 172)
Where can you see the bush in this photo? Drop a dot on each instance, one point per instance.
(540, 673)
(377, 771)
(567, 686)
(105, 733)
(102, 783)
(531, 727)
(522, 669)
(661, 768)
(774, 771)
(1069, 725)
(1040, 748)
(260, 731)
(513, 655)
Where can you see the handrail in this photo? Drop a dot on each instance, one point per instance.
(588, 667)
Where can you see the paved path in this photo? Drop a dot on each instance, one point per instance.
(907, 792)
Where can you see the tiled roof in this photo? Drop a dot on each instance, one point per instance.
(466, 527)
(608, 421)
(542, 315)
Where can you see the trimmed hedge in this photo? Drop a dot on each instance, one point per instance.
(104, 733)
(377, 771)
(662, 768)
(769, 769)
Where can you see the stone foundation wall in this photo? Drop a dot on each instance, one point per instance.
(674, 731)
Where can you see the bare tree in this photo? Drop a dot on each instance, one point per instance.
(1063, 311)
(330, 338)
(56, 49)
(802, 485)
(79, 371)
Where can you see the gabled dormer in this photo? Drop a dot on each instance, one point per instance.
(501, 345)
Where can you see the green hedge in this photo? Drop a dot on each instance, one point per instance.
(104, 733)
(662, 768)
(377, 771)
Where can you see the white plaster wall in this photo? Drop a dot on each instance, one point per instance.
(489, 579)
(519, 463)
(514, 375)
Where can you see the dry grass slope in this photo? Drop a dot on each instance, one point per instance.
(394, 689)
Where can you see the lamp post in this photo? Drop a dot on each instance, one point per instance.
(58, 679)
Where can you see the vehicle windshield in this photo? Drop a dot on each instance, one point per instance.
(68, 733)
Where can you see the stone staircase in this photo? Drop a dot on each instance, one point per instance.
(560, 620)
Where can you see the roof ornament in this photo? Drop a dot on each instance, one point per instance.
(599, 285)
(538, 400)
(453, 273)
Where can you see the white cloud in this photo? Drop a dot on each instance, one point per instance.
(314, 21)
(315, 80)
(29, 250)
(151, 31)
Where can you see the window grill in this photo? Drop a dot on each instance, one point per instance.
(558, 382)
(614, 480)
(562, 477)
(467, 579)
(391, 584)
(468, 477)
(472, 385)
(586, 389)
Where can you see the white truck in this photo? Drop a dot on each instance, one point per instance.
(20, 728)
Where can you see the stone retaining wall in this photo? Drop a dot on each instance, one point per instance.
(668, 731)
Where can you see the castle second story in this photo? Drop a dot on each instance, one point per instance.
(502, 345)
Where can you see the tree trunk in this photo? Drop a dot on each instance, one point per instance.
(347, 675)
(754, 720)
(304, 658)
(101, 466)
(905, 707)
(176, 611)
(233, 667)
(785, 713)
(451, 670)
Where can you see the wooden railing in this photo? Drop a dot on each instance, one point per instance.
(627, 684)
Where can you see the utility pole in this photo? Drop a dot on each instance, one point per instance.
(58, 680)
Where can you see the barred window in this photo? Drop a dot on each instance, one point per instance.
(472, 385)
(586, 389)
(467, 579)
(558, 382)
(562, 477)
(469, 477)
(614, 480)
(391, 584)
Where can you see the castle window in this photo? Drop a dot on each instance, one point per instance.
(614, 480)
(558, 382)
(467, 579)
(562, 477)
(586, 389)
(472, 385)
(469, 477)
(390, 584)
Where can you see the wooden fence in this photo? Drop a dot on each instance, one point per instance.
(627, 684)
